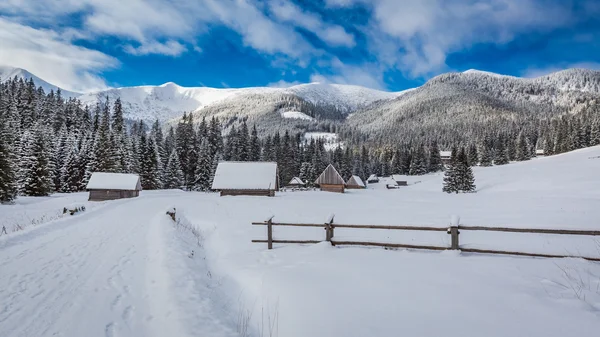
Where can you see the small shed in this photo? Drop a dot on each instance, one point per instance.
(296, 183)
(355, 183)
(445, 156)
(330, 180)
(373, 179)
(539, 153)
(246, 178)
(111, 186)
(400, 180)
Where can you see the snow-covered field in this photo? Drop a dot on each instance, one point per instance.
(124, 269)
(331, 139)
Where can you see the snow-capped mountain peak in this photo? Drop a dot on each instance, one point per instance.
(7, 72)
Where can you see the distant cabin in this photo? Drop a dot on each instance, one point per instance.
(399, 180)
(445, 155)
(539, 153)
(330, 180)
(296, 183)
(246, 178)
(111, 186)
(355, 183)
(373, 179)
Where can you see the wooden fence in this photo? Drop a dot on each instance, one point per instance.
(453, 231)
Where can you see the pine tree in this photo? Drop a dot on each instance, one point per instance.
(243, 143)
(501, 152)
(435, 160)
(8, 188)
(37, 177)
(418, 164)
(173, 174)
(473, 155)
(202, 181)
(523, 152)
(595, 132)
(464, 173)
(149, 167)
(254, 145)
(451, 184)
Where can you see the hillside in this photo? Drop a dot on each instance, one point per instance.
(7, 72)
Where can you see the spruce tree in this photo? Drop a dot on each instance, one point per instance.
(523, 152)
(254, 145)
(202, 181)
(173, 174)
(435, 160)
(451, 184)
(8, 188)
(464, 173)
(418, 164)
(473, 155)
(37, 175)
(501, 152)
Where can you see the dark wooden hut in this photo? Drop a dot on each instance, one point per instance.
(330, 180)
(111, 186)
(246, 178)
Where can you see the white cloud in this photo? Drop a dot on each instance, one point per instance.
(537, 72)
(52, 57)
(169, 48)
(332, 34)
(367, 75)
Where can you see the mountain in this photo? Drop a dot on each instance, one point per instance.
(7, 72)
(170, 100)
(460, 106)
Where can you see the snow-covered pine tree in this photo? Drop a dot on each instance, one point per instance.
(435, 160)
(473, 155)
(501, 151)
(595, 132)
(395, 165)
(71, 171)
(8, 187)
(243, 143)
(149, 169)
(202, 180)
(37, 168)
(523, 151)
(173, 174)
(406, 162)
(418, 165)
(254, 145)
(464, 173)
(451, 183)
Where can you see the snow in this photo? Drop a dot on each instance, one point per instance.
(7, 72)
(113, 181)
(296, 181)
(331, 139)
(124, 269)
(358, 181)
(295, 115)
(245, 176)
(445, 154)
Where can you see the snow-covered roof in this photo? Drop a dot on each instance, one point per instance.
(296, 181)
(398, 177)
(330, 176)
(447, 154)
(114, 181)
(245, 176)
(373, 177)
(355, 181)
(540, 151)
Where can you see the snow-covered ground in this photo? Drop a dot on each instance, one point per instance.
(331, 139)
(124, 269)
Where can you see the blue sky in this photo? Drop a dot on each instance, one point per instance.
(85, 45)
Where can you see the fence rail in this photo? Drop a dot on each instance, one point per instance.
(452, 230)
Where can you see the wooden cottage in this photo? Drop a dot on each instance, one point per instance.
(246, 178)
(373, 179)
(330, 180)
(296, 183)
(355, 183)
(539, 153)
(399, 180)
(111, 186)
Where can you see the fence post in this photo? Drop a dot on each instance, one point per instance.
(270, 233)
(329, 228)
(453, 231)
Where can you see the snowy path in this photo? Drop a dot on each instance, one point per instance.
(105, 273)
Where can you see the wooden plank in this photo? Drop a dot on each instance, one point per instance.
(410, 228)
(502, 252)
(387, 245)
(531, 230)
(270, 234)
(288, 241)
(454, 237)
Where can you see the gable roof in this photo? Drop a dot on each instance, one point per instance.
(114, 181)
(330, 177)
(373, 177)
(355, 181)
(398, 177)
(245, 176)
(296, 181)
(446, 154)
